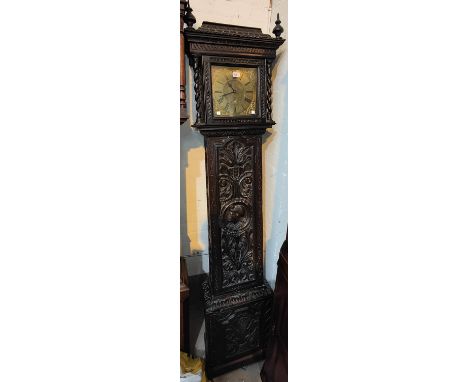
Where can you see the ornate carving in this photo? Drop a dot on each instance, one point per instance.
(268, 90)
(235, 208)
(207, 88)
(222, 132)
(262, 91)
(213, 303)
(234, 49)
(236, 60)
(237, 323)
(198, 85)
(232, 35)
(235, 179)
(236, 121)
(232, 30)
(235, 170)
(242, 330)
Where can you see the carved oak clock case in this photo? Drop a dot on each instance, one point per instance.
(232, 80)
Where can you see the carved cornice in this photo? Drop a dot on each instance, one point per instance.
(237, 40)
(230, 48)
(232, 30)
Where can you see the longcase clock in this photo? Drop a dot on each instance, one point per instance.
(232, 80)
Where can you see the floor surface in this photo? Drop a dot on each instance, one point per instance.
(250, 373)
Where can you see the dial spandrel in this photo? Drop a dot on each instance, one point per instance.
(234, 91)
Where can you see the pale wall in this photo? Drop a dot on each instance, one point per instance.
(194, 228)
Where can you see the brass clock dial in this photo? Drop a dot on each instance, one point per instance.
(234, 91)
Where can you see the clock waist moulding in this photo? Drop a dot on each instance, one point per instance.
(233, 114)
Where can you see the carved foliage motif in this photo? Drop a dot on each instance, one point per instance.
(235, 190)
(242, 331)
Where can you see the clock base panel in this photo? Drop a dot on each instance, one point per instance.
(238, 326)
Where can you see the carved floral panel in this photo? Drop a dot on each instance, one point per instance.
(234, 206)
(235, 180)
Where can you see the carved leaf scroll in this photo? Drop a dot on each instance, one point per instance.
(235, 186)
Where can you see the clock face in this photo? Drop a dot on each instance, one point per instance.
(234, 91)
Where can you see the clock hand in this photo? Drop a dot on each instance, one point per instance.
(227, 94)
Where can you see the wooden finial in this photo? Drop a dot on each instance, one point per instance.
(278, 29)
(189, 18)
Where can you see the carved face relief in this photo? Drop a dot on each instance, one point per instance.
(236, 216)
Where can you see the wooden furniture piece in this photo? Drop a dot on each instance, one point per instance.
(185, 14)
(184, 307)
(275, 367)
(232, 81)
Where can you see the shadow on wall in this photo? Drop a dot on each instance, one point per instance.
(193, 207)
(193, 219)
